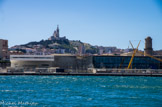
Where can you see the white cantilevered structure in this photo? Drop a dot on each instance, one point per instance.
(31, 60)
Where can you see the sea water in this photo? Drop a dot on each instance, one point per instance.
(67, 91)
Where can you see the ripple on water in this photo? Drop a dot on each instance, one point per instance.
(82, 90)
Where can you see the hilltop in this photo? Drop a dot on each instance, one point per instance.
(61, 45)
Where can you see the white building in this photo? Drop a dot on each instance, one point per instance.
(31, 61)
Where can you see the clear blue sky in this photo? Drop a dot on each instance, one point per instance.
(98, 22)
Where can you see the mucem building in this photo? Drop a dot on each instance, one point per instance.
(139, 62)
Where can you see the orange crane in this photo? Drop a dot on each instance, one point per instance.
(146, 54)
(134, 52)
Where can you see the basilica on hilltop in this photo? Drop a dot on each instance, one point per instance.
(56, 35)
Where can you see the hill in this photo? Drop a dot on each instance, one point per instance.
(57, 44)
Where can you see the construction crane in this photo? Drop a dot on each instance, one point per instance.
(146, 54)
(134, 52)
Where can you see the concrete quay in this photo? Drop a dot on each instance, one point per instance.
(80, 74)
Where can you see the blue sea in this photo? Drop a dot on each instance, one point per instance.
(80, 91)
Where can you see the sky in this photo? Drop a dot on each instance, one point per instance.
(98, 22)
